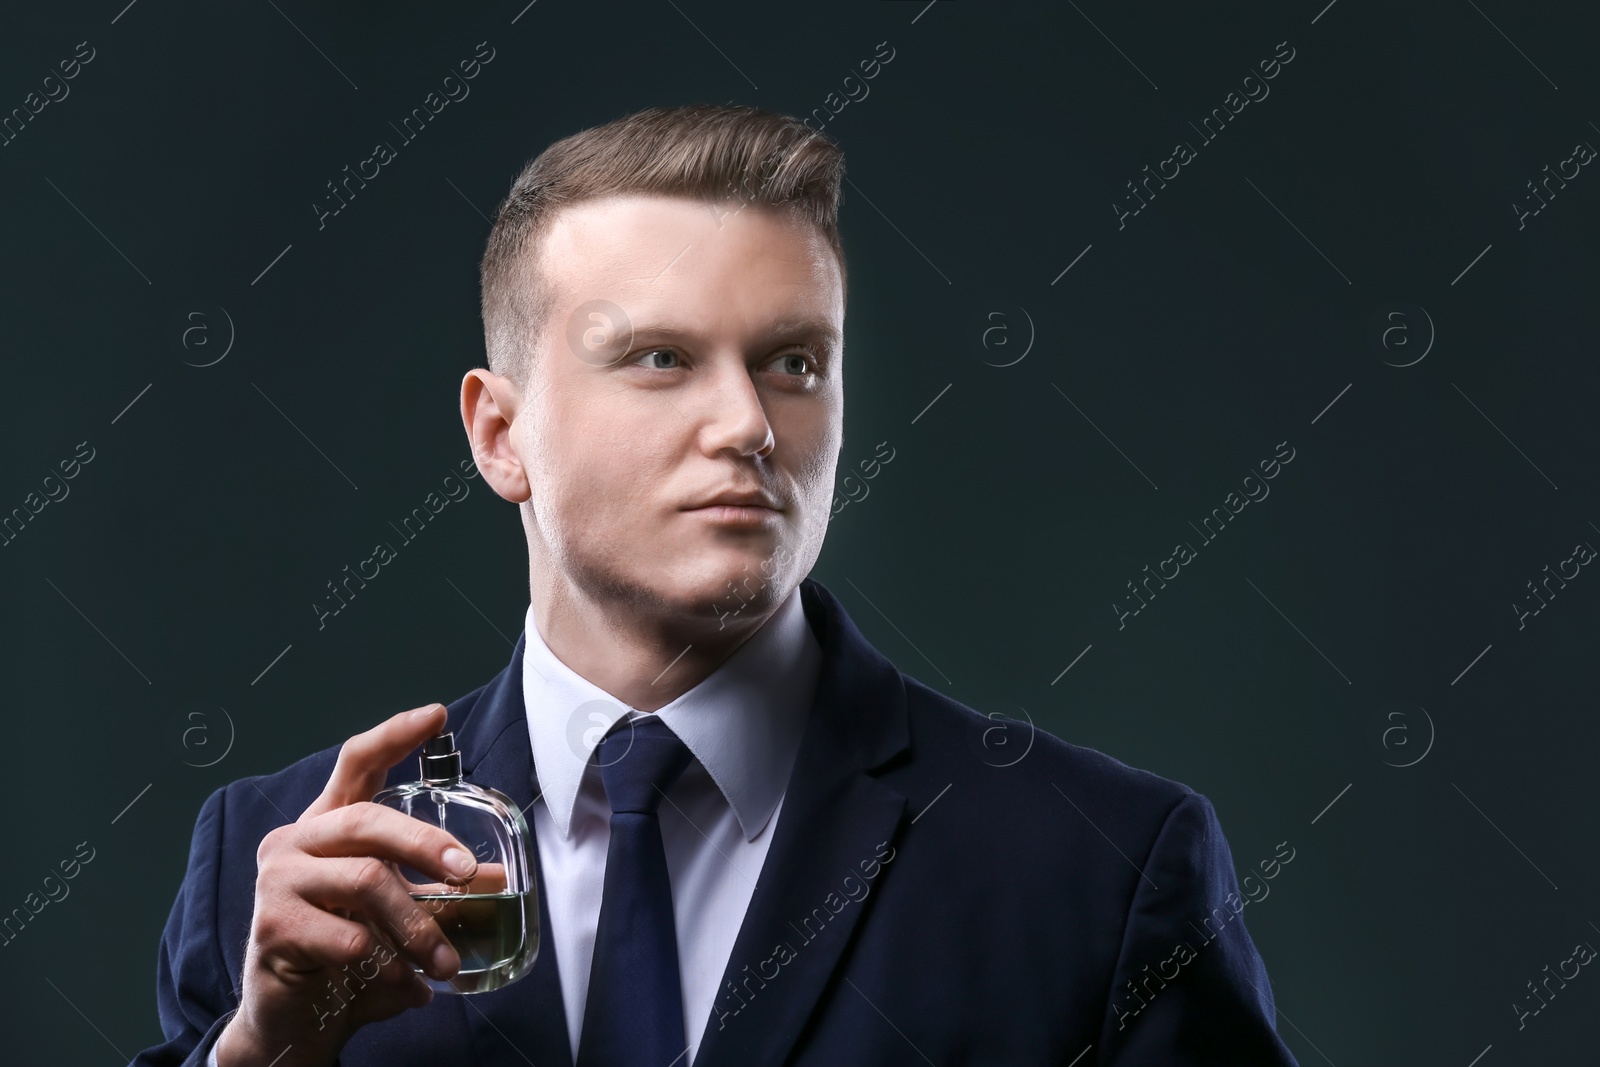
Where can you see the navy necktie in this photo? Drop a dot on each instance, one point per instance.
(633, 1013)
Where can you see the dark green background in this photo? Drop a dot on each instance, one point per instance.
(986, 157)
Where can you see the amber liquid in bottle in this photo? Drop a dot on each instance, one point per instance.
(486, 929)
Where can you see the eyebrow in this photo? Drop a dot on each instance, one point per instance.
(809, 329)
(786, 330)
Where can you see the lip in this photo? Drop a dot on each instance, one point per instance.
(750, 515)
(738, 499)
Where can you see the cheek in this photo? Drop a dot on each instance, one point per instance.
(604, 469)
(591, 484)
(812, 432)
(816, 468)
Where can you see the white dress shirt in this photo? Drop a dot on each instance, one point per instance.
(743, 724)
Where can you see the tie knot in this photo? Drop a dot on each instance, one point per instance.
(638, 762)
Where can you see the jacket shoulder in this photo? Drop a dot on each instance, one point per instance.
(1007, 757)
(272, 799)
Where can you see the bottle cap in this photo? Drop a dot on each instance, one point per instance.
(440, 761)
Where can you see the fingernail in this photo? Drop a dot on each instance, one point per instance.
(459, 861)
(444, 960)
(423, 713)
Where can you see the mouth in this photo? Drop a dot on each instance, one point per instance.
(748, 515)
(739, 498)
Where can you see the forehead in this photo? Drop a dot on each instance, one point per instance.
(688, 254)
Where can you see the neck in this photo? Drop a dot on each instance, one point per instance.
(643, 657)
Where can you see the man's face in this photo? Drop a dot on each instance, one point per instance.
(628, 428)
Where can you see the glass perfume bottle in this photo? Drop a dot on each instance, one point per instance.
(493, 921)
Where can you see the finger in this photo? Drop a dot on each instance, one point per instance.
(489, 878)
(371, 974)
(365, 889)
(403, 986)
(364, 760)
(396, 988)
(368, 829)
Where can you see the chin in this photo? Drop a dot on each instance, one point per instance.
(733, 582)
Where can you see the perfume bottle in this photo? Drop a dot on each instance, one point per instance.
(493, 921)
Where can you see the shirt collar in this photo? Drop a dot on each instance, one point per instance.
(743, 722)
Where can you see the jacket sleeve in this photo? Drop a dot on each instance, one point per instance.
(1189, 988)
(194, 993)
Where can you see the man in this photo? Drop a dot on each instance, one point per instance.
(827, 862)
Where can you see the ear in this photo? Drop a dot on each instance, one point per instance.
(488, 408)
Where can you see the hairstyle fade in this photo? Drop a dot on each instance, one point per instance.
(704, 152)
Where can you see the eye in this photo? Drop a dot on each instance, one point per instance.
(650, 353)
(803, 361)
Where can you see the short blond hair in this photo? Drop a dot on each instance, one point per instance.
(698, 151)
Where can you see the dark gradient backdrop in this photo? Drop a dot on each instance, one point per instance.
(1350, 270)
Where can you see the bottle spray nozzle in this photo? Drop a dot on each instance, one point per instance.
(440, 761)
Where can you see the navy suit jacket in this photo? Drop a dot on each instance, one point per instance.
(931, 895)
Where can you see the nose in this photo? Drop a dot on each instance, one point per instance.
(735, 423)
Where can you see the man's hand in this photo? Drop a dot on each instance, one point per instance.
(328, 909)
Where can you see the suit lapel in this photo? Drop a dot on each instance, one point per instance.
(524, 1023)
(835, 815)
